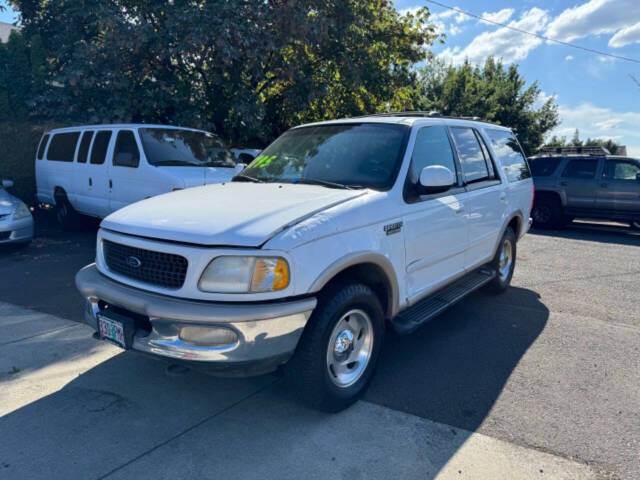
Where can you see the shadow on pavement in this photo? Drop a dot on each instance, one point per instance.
(128, 417)
(594, 232)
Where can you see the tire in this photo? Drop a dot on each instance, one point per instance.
(322, 371)
(504, 263)
(66, 216)
(547, 213)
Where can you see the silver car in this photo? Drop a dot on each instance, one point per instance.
(16, 221)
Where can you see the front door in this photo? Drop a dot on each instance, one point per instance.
(435, 226)
(579, 183)
(619, 187)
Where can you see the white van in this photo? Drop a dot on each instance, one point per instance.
(95, 170)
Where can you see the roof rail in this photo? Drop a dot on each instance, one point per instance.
(420, 113)
(575, 150)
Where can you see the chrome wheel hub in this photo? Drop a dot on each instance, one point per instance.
(506, 260)
(349, 349)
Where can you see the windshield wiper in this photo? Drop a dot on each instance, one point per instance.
(246, 178)
(328, 184)
(175, 163)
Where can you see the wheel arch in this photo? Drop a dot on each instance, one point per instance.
(516, 222)
(372, 269)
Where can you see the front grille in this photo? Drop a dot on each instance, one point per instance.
(156, 268)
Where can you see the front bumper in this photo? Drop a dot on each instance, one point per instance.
(16, 231)
(265, 333)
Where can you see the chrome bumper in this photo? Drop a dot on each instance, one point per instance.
(262, 332)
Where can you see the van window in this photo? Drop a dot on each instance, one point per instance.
(471, 157)
(63, 147)
(432, 147)
(83, 152)
(43, 145)
(508, 151)
(100, 146)
(126, 153)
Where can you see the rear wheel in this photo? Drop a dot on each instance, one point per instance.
(504, 263)
(547, 213)
(339, 348)
(66, 216)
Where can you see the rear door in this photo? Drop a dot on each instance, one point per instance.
(619, 187)
(579, 183)
(486, 201)
(95, 174)
(83, 183)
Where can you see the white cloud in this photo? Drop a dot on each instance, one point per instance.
(500, 16)
(595, 17)
(626, 36)
(568, 58)
(502, 43)
(601, 122)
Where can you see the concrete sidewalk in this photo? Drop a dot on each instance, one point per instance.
(72, 407)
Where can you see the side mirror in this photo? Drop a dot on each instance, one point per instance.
(7, 183)
(245, 157)
(436, 179)
(238, 168)
(125, 159)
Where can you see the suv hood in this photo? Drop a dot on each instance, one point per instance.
(232, 214)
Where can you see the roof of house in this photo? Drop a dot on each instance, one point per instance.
(5, 31)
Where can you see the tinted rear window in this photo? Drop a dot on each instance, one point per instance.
(510, 155)
(100, 145)
(544, 167)
(84, 146)
(63, 147)
(43, 145)
(581, 168)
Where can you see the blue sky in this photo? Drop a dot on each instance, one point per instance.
(595, 93)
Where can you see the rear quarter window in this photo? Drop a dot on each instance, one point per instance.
(509, 154)
(544, 167)
(63, 147)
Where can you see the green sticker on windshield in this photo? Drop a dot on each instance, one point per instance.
(263, 161)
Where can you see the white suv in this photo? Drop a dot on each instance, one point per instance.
(336, 231)
(97, 169)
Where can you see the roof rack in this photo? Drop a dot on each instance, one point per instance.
(577, 150)
(420, 113)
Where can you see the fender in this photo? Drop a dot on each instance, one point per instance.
(517, 214)
(358, 258)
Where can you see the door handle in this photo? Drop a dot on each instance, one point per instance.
(90, 182)
(110, 183)
(564, 184)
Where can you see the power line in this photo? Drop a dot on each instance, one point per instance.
(542, 37)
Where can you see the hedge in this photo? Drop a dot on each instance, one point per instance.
(18, 145)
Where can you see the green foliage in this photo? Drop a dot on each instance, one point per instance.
(559, 142)
(247, 69)
(19, 141)
(492, 92)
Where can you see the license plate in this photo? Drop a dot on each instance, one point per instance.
(111, 330)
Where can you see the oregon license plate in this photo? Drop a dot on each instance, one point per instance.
(111, 330)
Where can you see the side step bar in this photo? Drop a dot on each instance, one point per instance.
(413, 317)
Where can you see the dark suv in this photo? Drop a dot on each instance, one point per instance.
(585, 183)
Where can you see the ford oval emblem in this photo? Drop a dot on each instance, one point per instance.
(134, 262)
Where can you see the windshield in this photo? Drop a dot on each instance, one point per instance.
(173, 147)
(356, 155)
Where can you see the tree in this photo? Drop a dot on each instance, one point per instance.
(492, 92)
(247, 69)
(558, 142)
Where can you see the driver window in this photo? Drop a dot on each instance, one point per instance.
(432, 147)
(620, 170)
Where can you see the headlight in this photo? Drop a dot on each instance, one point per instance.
(245, 275)
(22, 211)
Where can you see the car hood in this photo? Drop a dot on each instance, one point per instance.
(7, 202)
(198, 176)
(231, 214)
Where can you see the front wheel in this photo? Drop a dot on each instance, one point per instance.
(503, 263)
(339, 348)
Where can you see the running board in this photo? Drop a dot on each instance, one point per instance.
(417, 315)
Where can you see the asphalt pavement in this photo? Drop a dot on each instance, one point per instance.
(541, 382)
